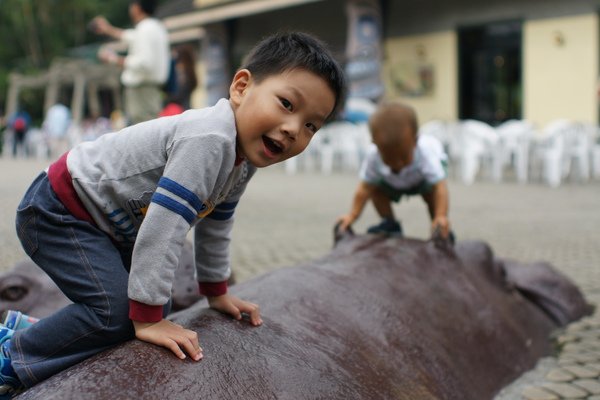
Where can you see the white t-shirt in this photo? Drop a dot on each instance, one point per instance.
(58, 119)
(427, 166)
(148, 54)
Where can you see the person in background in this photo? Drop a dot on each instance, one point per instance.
(19, 123)
(187, 80)
(180, 86)
(56, 127)
(146, 65)
(401, 163)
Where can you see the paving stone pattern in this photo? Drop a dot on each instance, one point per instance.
(286, 220)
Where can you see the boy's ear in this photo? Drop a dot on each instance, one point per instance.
(239, 84)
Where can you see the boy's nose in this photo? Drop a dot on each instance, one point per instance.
(290, 130)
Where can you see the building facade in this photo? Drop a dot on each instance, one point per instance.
(466, 59)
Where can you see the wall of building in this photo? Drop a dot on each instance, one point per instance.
(325, 19)
(560, 69)
(413, 17)
(205, 3)
(421, 49)
(421, 70)
(559, 81)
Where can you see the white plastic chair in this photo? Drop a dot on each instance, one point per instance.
(36, 143)
(594, 133)
(514, 137)
(549, 149)
(577, 158)
(436, 128)
(448, 134)
(473, 148)
(339, 145)
(596, 160)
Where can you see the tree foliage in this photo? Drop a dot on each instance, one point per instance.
(34, 32)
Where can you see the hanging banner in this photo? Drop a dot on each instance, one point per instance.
(214, 58)
(363, 49)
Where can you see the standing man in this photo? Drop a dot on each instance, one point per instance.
(146, 66)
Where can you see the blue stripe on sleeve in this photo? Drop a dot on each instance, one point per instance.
(174, 206)
(115, 212)
(122, 220)
(220, 216)
(182, 192)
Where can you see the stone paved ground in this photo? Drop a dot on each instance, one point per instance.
(284, 220)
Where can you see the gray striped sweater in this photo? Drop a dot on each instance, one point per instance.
(150, 183)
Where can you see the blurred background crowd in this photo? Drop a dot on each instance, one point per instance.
(509, 87)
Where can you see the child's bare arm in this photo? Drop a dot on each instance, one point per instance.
(170, 335)
(233, 306)
(438, 203)
(361, 196)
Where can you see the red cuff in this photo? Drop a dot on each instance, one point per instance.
(144, 312)
(213, 289)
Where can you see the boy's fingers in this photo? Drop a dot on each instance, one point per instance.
(191, 348)
(255, 318)
(232, 310)
(254, 311)
(193, 338)
(174, 347)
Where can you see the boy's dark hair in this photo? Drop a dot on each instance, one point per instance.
(286, 51)
(147, 6)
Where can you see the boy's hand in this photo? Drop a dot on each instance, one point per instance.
(344, 222)
(233, 306)
(442, 224)
(170, 335)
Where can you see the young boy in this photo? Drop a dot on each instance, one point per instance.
(400, 163)
(108, 220)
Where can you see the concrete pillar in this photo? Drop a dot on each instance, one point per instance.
(92, 98)
(52, 90)
(118, 99)
(14, 88)
(77, 102)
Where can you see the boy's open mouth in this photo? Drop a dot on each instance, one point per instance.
(271, 145)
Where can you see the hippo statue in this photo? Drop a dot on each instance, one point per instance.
(27, 288)
(375, 318)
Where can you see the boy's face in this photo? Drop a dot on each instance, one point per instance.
(277, 117)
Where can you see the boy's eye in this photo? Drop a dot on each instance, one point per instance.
(312, 127)
(286, 104)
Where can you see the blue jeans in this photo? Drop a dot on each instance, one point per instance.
(92, 272)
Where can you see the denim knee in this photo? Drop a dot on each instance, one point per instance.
(115, 320)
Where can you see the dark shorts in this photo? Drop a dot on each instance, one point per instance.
(396, 194)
